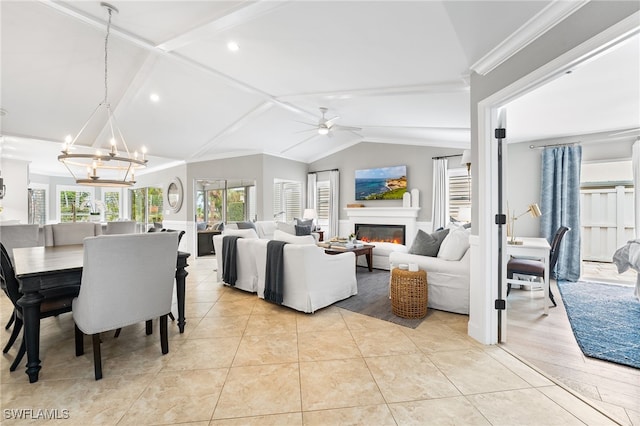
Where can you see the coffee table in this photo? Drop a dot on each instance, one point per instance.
(366, 250)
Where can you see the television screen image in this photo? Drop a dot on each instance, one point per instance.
(383, 183)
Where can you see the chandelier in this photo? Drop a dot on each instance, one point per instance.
(115, 167)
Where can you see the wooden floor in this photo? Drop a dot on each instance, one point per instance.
(548, 344)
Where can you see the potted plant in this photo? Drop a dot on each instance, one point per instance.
(95, 209)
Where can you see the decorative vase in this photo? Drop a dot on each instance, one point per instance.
(415, 198)
(406, 200)
(94, 217)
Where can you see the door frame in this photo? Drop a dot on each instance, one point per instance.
(483, 324)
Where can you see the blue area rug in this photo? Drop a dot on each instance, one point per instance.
(605, 320)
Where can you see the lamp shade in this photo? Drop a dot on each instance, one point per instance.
(534, 209)
(310, 214)
(466, 157)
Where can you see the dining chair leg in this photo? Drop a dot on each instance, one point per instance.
(97, 357)
(79, 337)
(19, 356)
(164, 337)
(553, 300)
(14, 335)
(117, 333)
(11, 318)
(148, 327)
(171, 316)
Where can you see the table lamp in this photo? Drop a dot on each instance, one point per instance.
(311, 214)
(533, 209)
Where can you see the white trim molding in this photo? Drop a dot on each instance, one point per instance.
(542, 22)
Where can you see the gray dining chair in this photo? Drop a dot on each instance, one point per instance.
(53, 305)
(17, 236)
(126, 279)
(121, 227)
(68, 233)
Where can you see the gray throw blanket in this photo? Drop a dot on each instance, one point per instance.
(274, 273)
(229, 265)
(628, 256)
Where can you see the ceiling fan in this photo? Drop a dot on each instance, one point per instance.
(326, 125)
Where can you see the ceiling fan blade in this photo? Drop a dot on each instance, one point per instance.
(308, 124)
(339, 127)
(305, 131)
(329, 122)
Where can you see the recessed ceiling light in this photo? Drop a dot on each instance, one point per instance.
(154, 97)
(233, 46)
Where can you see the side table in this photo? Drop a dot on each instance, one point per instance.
(409, 293)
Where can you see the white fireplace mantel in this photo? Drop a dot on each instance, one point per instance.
(395, 212)
(406, 216)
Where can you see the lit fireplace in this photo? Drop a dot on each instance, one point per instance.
(374, 233)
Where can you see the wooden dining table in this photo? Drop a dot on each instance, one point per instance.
(45, 272)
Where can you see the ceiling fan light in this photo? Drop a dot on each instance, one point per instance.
(323, 130)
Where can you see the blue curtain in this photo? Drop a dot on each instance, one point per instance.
(560, 205)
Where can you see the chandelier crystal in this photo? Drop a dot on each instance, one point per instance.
(115, 167)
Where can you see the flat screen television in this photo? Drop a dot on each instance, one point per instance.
(382, 183)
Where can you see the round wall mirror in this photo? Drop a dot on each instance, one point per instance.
(174, 195)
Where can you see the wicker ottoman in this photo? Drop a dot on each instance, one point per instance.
(409, 295)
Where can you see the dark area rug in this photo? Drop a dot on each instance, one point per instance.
(373, 298)
(605, 320)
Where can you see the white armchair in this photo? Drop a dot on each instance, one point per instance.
(312, 279)
(247, 275)
(126, 279)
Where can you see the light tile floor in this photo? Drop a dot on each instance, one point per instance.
(244, 361)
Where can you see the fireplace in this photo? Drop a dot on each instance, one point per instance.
(371, 233)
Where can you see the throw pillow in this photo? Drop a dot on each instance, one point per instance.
(286, 227)
(428, 244)
(455, 245)
(303, 230)
(304, 222)
(246, 225)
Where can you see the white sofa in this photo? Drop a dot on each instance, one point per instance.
(448, 280)
(312, 279)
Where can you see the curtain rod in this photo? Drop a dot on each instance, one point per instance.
(554, 144)
(446, 156)
(328, 170)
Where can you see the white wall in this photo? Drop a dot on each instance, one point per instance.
(15, 202)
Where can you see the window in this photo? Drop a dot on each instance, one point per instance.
(459, 191)
(323, 202)
(38, 204)
(112, 202)
(287, 199)
(146, 205)
(73, 203)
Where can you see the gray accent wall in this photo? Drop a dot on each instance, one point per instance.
(366, 155)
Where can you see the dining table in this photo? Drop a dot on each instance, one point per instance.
(46, 272)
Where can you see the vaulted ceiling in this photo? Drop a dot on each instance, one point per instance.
(396, 71)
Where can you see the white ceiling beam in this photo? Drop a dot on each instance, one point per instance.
(241, 14)
(444, 87)
(234, 127)
(539, 24)
(140, 42)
